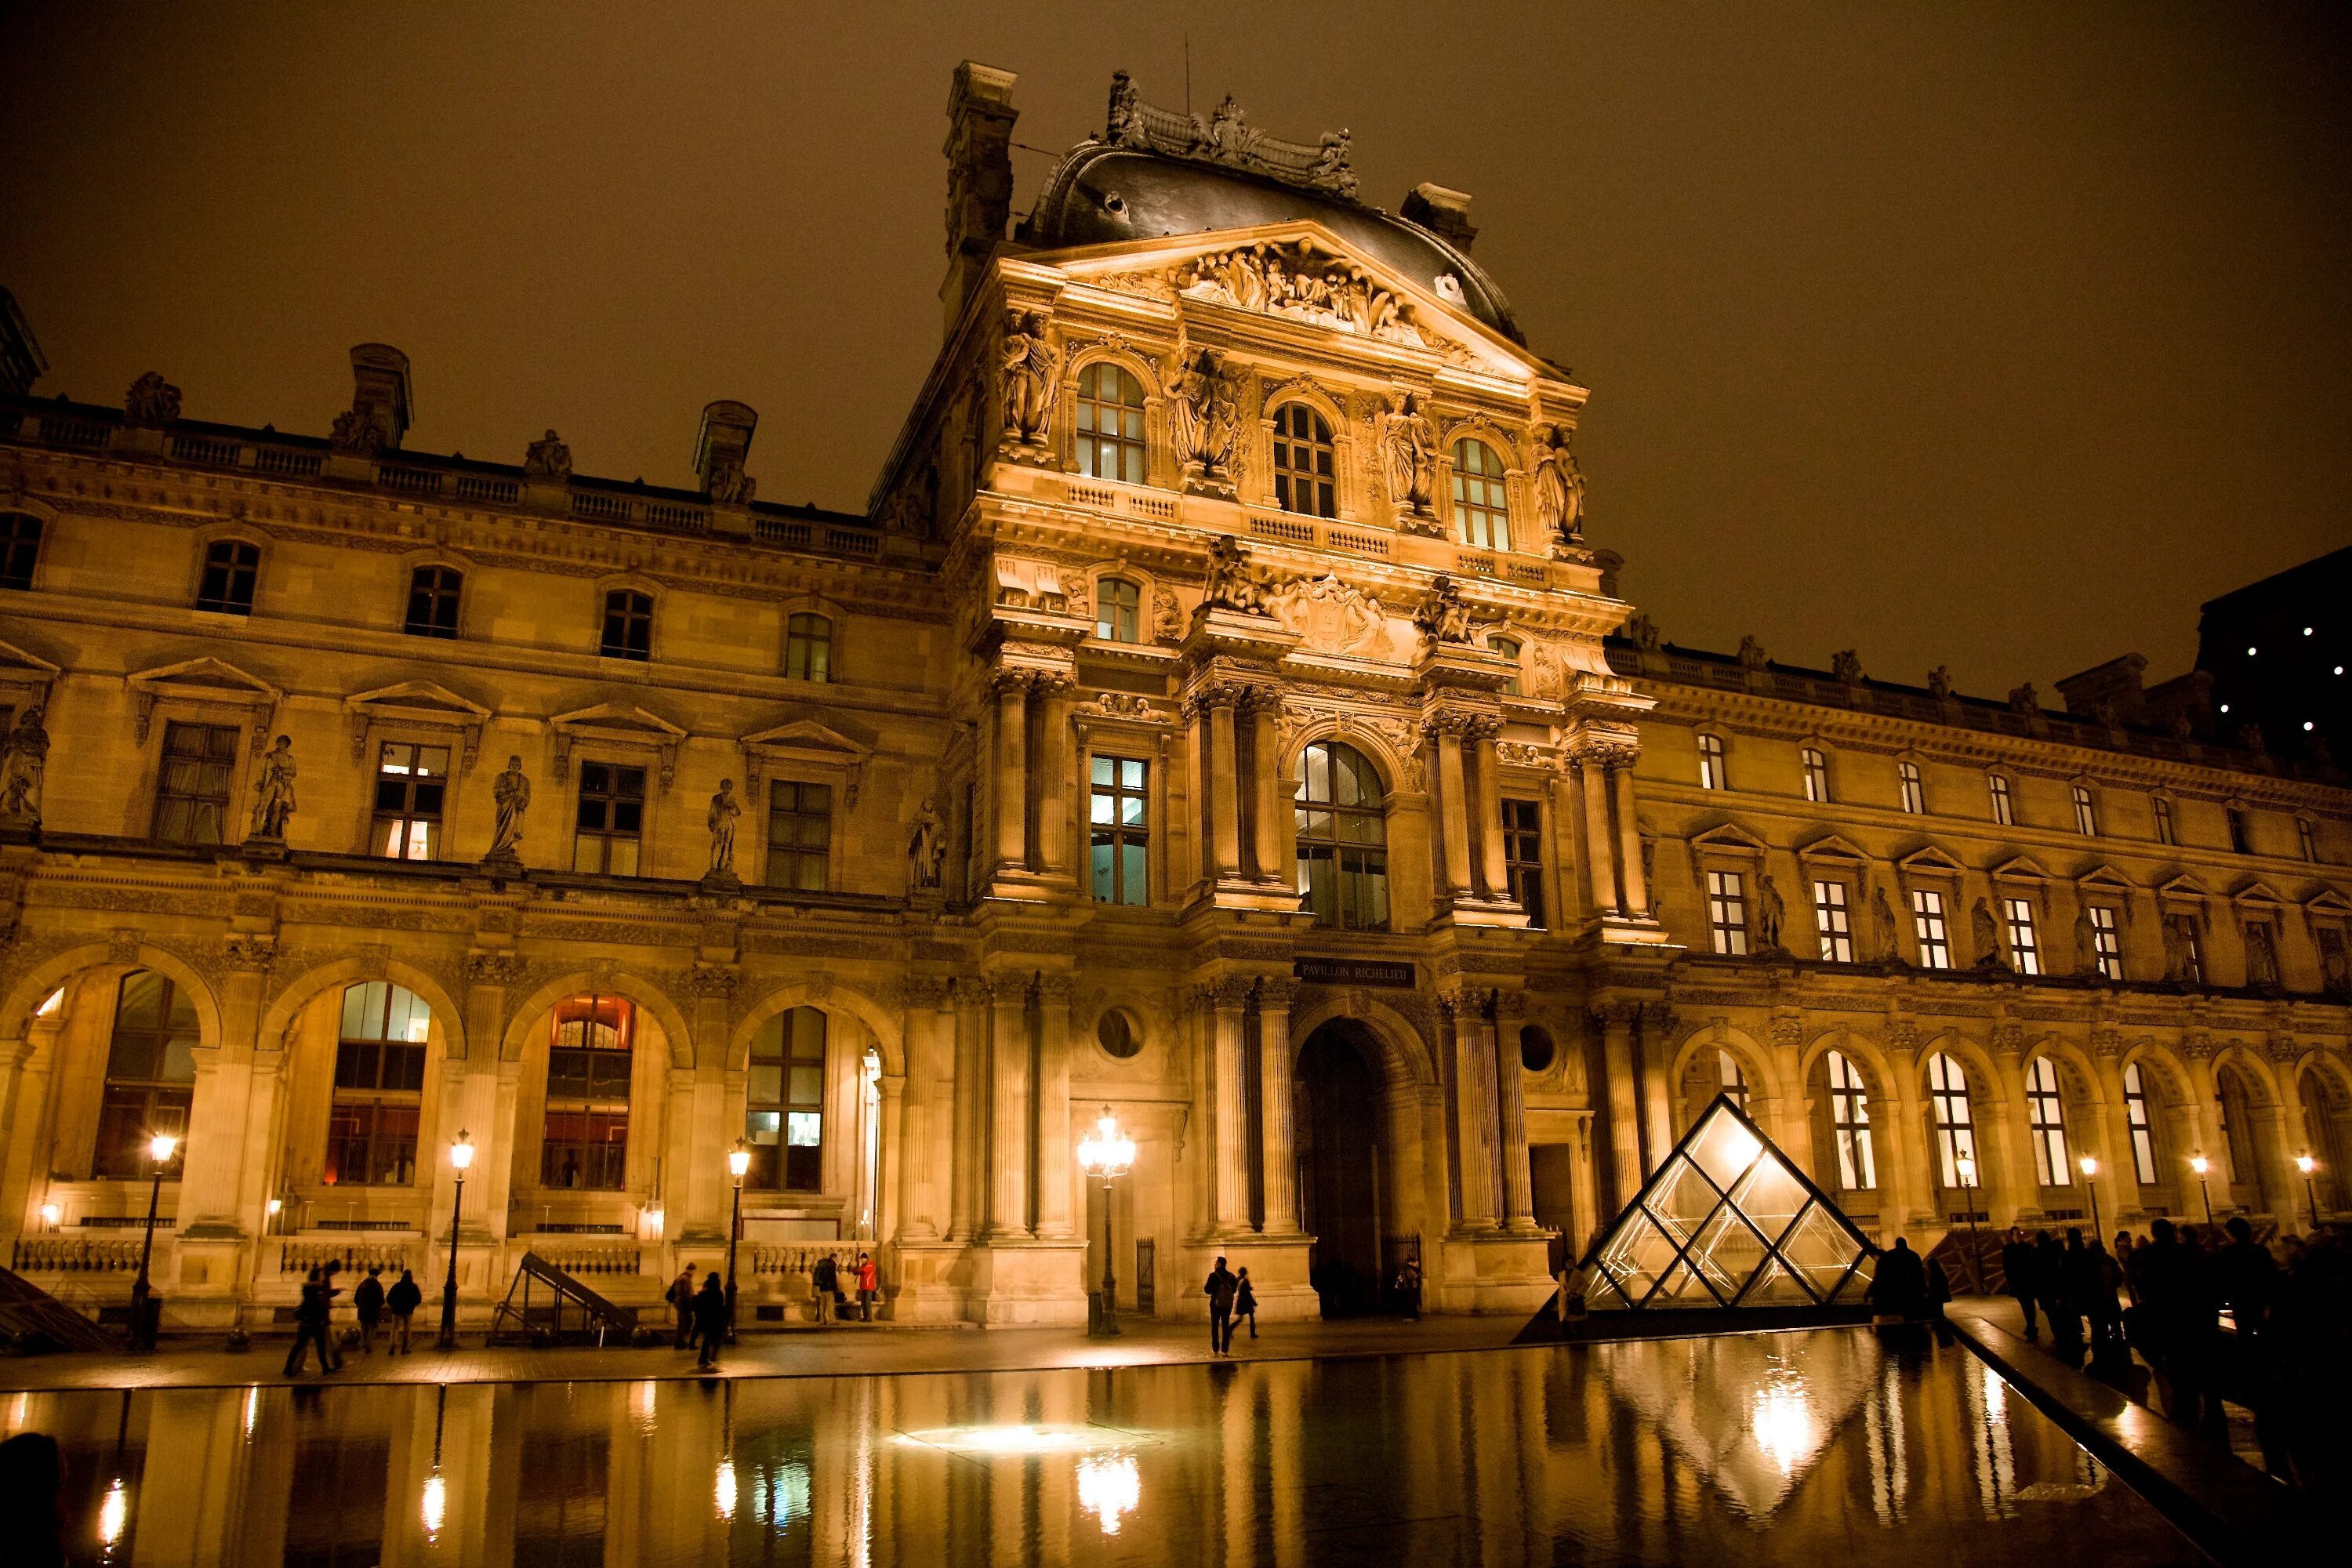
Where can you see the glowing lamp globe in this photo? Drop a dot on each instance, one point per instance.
(162, 1145)
(739, 1160)
(461, 1154)
(2200, 1165)
(2306, 1164)
(2090, 1166)
(1107, 1152)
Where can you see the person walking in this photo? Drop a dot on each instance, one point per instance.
(1245, 1303)
(1408, 1285)
(681, 1301)
(367, 1300)
(1220, 1289)
(825, 1282)
(869, 1284)
(2017, 1268)
(2049, 1280)
(402, 1302)
(310, 1326)
(1899, 1288)
(327, 1344)
(709, 1319)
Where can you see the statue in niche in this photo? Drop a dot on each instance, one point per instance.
(273, 792)
(1846, 665)
(926, 849)
(1939, 684)
(2086, 941)
(548, 459)
(1409, 455)
(724, 809)
(1889, 935)
(1987, 933)
(152, 402)
(1233, 583)
(2262, 955)
(1770, 914)
(1442, 616)
(22, 769)
(1029, 364)
(1751, 653)
(728, 483)
(1167, 616)
(1207, 406)
(1559, 486)
(510, 794)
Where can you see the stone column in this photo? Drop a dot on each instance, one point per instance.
(1906, 1171)
(2116, 1168)
(1011, 688)
(1008, 1122)
(890, 1179)
(1224, 802)
(930, 1083)
(1491, 865)
(2204, 1119)
(968, 1098)
(1453, 809)
(1518, 1181)
(1585, 773)
(1056, 1155)
(2019, 1184)
(2286, 1141)
(1266, 712)
(1053, 782)
(1226, 999)
(1476, 1111)
(1629, 838)
(1657, 1094)
(1280, 1149)
(1616, 1020)
(26, 1068)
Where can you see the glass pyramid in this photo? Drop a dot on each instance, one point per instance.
(1728, 1221)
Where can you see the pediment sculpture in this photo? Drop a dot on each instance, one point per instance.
(1300, 281)
(152, 402)
(1333, 616)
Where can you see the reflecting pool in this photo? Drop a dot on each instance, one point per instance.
(1817, 1449)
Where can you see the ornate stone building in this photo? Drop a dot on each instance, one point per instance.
(1219, 716)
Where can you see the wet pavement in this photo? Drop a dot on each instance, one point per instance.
(1831, 1445)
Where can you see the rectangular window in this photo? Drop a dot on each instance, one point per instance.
(1710, 763)
(1817, 774)
(1914, 794)
(2306, 833)
(1523, 856)
(1726, 911)
(231, 567)
(808, 647)
(379, 1087)
(2241, 838)
(2164, 829)
(2046, 1121)
(586, 1143)
(1834, 921)
(2106, 942)
(192, 793)
(2024, 951)
(20, 549)
(800, 835)
(410, 782)
(611, 819)
(2143, 1126)
(1120, 820)
(1928, 925)
(2005, 811)
(2086, 812)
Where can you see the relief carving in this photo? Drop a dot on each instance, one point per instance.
(1333, 616)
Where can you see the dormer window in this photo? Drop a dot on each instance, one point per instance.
(1110, 424)
(1481, 509)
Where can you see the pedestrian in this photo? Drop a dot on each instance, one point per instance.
(32, 1499)
(869, 1281)
(1245, 1302)
(825, 1282)
(681, 1301)
(1939, 1289)
(2050, 1276)
(2017, 1269)
(2247, 1274)
(367, 1300)
(327, 1344)
(402, 1302)
(1220, 1290)
(310, 1326)
(1408, 1287)
(710, 1318)
(1898, 1287)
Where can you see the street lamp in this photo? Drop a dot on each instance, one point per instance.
(1966, 1166)
(159, 1150)
(2200, 1165)
(1109, 1154)
(2090, 1170)
(461, 1154)
(739, 1160)
(2307, 1164)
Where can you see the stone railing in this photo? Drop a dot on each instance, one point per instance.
(356, 1254)
(800, 1258)
(73, 1255)
(590, 1259)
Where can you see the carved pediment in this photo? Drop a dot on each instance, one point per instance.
(617, 724)
(2258, 892)
(1928, 860)
(2022, 868)
(804, 746)
(2103, 876)
(201, 679)
(2328, 901)
(1730, 839)
(27, 674)
(1834, 847)
(416, 703)
(2187, 886)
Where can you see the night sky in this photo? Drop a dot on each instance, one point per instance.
(1994, 336)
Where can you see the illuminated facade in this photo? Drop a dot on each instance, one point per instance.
(1219, 715)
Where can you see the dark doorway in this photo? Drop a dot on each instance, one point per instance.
(1339, 1171)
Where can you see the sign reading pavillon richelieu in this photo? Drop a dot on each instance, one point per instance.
(1355, 971)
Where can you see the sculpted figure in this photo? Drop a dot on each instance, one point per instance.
(1028, 365)
(1409, 454)
(152, 402)
(1882, 919)
(510, 793)
(1939, 684)
(1233, 583)
(1559, 486)
(1441, 615)
(1124, 126)
(548, 458)
(724, 809)
(273, 795)
(355, 430)
(1771, 911)
(1167, 615)
(1986, 932)
(1846, 664)
(2086, 941)
(21, 769)
(2021, 699)
(1207, 408)
(1332, 170)
(1751, 653)
(926, 850)
(1643, 633)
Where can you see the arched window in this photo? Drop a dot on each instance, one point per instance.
(586, 1143)
(1110, 424)
(808, 646)
(2327, 1109)
(783, 1119)
(433, 592)
(1954, 1124)
(1733, 1082)
(1303, 465)
(1509, 648)
(2142, 1123)
(1850, 1119)
(628, 625)
(1343, 859)
(1817, 774)
(379, 1087)
(231, 566)
(151, 1075)
(1480, 507)
(2045, 1125)
(1119, 610)
(1711, 774)
(20, 549)
(2237, 1125)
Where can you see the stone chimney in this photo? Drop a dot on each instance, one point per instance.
(2109, 690)
(721, 449)
(21, 363)
(381, 411)
(980, 177)
(1444, 213)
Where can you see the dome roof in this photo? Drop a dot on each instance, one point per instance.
(1103, 194)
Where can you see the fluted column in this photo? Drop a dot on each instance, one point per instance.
(1454, 816)
(2116, 1167)
(1616, 1020)
(1490, 812)
(1474, 1108)
(1905, 1176)
(1629, 838)
(1226, 999)
(1657, 1095)
(1280, 1150)
(1519, 1183)
(2020, 1184)
(1054, 782)
(916, 1128)
(1008, 1123)
(1012, 687)
(1055, 1154)
(1265, 713)
(968, 1106)
(1225, 815)
(1585, 774)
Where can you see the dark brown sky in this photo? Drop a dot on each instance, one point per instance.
(1998, 336)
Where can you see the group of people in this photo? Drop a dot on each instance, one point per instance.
(703, 1315)
(314, 1317)
(1230, 1298)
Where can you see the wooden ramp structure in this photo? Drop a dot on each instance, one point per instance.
(562, 1294)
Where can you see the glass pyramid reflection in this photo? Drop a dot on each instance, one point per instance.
(1728, 1221)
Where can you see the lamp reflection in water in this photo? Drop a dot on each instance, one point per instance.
(1018, 1439)
(437, 1506)
(112, 1515)
(1783, 1423)
(723, 1491)
(1109, 1487)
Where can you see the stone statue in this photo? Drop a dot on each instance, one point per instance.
(21, 769)
(1643, 633)
(510, 793)
(1409, 455)
(2086, 941)
(2022, 699)
(1331, 171)
(1986, 932)
(1560, 488)
(724, 809)
(1029, 364)
(1233, 583)
(548, 459)
(2176, 951)
(1167, 615)
(926, 849)
(1206, 403)
(1846, 667)
(152, 402)
(728, 483)
(2262, 955)
(1751, 653)
(1124, 126)
(1889, 935)
(273, 791)
(1939, 684)
(1771, 911)
(356, 431)
(1442, 616)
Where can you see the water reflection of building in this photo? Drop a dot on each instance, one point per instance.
(1389, 897)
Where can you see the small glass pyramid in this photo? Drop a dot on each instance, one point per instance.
(1728, 1221)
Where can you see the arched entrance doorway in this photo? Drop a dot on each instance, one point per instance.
(1340, 1168)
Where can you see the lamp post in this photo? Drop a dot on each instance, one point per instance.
(2307, 1164)
(2200, 1165)
(461, 1154)
(159, 1150)
(1967, 1165)
(739, 1160)
(2090, 1173)
(1108, 1153)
